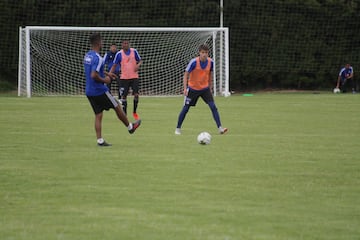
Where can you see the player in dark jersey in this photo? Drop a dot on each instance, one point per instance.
(345, 79)
(98, 93)
(109, 58)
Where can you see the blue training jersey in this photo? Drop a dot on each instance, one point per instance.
(109, 61)
(345, 72)
(94, 62)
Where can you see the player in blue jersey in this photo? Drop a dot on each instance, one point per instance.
(345, 79)
(198, 82)
(109, 61)
(98, 93)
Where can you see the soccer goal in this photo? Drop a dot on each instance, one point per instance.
(51, 58)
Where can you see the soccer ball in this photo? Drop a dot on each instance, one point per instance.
(204, 138)
(226, 94)
(336, 90)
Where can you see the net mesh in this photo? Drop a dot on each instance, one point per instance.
(57, 68)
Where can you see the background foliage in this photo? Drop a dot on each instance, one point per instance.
(273, 44)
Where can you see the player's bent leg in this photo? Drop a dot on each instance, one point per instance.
(121, 115)
(123, 118)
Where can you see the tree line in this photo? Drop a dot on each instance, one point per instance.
(273, 44)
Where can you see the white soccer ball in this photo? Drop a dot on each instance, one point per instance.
(204, 138)
(336, 90)
(226, 94)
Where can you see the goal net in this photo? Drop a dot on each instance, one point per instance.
(51, 58)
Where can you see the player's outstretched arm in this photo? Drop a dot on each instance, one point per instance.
(95, 75)
(338, 82)
(113, 68)
(110, 74)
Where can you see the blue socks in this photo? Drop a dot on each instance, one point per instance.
(215, 113)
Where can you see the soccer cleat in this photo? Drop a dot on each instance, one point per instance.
(222, 130)
(178, 131)
(135, 125)
(104, 144)
(136, 116)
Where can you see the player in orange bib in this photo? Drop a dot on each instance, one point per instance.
(130, 61)
(198, 82)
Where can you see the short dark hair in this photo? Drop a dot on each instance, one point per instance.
(95, 38)
(113, 44)
(203, 47)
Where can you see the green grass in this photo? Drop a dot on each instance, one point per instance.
(289, 168)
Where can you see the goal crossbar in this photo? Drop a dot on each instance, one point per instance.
(132, 29)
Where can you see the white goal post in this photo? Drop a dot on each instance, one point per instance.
(51, 58)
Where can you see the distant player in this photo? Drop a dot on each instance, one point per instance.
(109, 59)
(98, 93)
(129, 61)
(198, 82)
(345, 79)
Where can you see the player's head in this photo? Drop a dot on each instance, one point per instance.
(347, 66)
(203, 52)
(203, 47)
(125, 44)
(113, 47)
(95, 40)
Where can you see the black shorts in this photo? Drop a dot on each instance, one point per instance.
(125, 84)
(102, 102)
(193, 96)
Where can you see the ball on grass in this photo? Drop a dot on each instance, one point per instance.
(204, 138)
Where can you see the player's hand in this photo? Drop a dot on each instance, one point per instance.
(107, 79)
(185, 92)
(112, 75)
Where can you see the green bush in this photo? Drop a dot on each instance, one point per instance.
(6, 86)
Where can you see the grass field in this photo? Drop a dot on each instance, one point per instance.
(289, 168)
